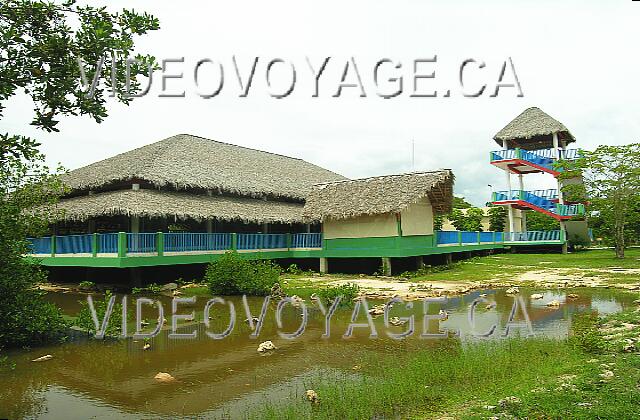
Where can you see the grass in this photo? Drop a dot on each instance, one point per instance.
(508, 265)
(523, 378)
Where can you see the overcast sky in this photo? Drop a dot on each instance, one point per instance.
(578, 61)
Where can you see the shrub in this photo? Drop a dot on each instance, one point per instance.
(85, 321)
(347, 292)
(585, 334)
(233, 275)
(86, 285)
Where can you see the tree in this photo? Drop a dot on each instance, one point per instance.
(541, 221)
(461, 203)
(39, 54)
(497, 218)
(611, 177)
(24, 183)
(469, 220)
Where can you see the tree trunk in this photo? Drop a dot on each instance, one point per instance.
(619, 228)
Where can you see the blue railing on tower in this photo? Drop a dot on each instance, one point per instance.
(542, 157)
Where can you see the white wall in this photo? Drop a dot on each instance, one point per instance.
(379, 225)
(417, 219)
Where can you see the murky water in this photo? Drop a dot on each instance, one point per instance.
(221, 378)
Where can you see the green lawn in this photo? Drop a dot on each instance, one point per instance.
(500, 266)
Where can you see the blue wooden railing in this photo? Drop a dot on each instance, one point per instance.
(141, 242)
(455, 237)
(540, 201)
(306, 240)
(187, 241)
(40, 245)
(447, 237)
(542, 157)
(533, 236)
(73, 244)
(107, 243)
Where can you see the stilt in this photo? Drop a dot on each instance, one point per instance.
(419, 262)
(386, 266)
(324, 265)
(135, 277)
(448, 258)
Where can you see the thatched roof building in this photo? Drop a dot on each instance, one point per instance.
(533, 129)
(190, 177)
(378, 195)
(191, 162)
(180, 205)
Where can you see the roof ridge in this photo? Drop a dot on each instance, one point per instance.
(235, 145)
(384, 176)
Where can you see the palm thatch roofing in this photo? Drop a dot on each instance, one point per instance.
(154, 203)
(532, 129)
(381, 194)
(184, 161)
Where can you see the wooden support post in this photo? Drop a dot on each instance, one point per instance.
(160, 243)
(234, 241)
(324, 265)
(289, 240)
(479, 238)
(448, 258)
(420, 262)
(122, 244)
(459, 238)
(53, 245)
(135, 277)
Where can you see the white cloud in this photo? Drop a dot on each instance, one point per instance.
(576, 60)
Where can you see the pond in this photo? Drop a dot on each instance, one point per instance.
(222, 378)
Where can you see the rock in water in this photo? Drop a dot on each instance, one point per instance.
(266, 346)
(164, 377)
(444, 315)
(553, 304)
(147, 346)
(43, 358)
(537, 296)
(572, 296)
(312, 396)
(277, 292)
(395, 321)
(169, 287)
(513, 291)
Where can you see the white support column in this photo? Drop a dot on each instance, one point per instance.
(324, 265)
(510, 216)
(386, 266)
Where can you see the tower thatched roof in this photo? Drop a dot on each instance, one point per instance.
(381, 194)
(190, 162)
(533, 128)
(154, 203)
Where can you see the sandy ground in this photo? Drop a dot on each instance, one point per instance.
(547, 278)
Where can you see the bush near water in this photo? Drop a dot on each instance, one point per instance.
(233, 275)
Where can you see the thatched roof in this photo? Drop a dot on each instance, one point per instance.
(381, 194)
(153, 203)
(533, 128)
(185, 161)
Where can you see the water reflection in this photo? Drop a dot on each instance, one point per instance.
(219, 378)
